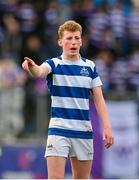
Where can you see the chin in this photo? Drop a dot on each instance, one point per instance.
(74, 54)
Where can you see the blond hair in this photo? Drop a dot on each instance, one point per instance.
(69, 25)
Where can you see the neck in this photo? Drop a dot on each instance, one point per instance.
(71, 57)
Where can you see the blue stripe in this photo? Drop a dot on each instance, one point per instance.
(49, 82)
(74, 92)
(70, 133)
(67, 113)
(74, 70)
(95, 74)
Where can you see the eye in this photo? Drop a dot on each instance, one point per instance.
(77, 38)
(69, 38)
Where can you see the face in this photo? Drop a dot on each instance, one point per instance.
(71, 43)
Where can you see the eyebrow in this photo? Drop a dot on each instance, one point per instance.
(74, 36)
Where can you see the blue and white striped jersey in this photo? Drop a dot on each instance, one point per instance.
(69, 84)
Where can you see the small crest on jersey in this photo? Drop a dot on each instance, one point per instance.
(84, 72)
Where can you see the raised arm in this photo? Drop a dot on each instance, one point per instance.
(103, 114)
(33, 69)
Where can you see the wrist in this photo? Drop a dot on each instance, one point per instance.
(107, 127)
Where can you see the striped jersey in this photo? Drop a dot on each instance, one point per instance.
(70, 83)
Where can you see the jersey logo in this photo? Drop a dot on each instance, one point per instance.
(84, 72)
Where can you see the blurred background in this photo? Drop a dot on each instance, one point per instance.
(110, 39)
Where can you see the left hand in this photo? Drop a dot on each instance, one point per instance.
(108, 138)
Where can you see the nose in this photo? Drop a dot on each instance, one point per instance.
(73, 41)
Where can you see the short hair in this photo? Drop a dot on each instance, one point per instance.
(69, 25)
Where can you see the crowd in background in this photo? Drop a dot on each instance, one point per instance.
(29, 28)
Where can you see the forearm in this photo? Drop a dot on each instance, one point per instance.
(101, 106)
(103, 113)
(35, 71)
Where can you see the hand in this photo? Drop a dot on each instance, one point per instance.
(107, 136)
(27, 63)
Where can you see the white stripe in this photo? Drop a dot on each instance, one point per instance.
(91, 64)
(45, 64)
(77, 125)
(96, 82)
(72, 81)
(57, 61)
(74, 103)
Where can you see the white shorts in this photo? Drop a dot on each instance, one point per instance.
(72, 147)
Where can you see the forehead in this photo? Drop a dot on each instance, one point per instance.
(70, 33)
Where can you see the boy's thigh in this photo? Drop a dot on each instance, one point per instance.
(81, 169)
(56, 167)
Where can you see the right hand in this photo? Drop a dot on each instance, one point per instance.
(27, 63)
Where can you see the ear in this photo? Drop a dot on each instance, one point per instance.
(60, 42)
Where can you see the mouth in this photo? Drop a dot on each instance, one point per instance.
(73, 49)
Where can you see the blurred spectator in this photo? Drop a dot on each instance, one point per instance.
(134, 69)
(118, 25)
(12, 39)
(98, 25)
(64, 10)
(133, 25)
(104, 61)
(8, 6)
(82, 11)
(12, 80)
(119, 75)
(28, 18)
(33, 48)
(40, 7)
(51, 19)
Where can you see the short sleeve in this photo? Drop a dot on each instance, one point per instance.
(50, 64)
(96, 81)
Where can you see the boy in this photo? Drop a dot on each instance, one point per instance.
(70, 79)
